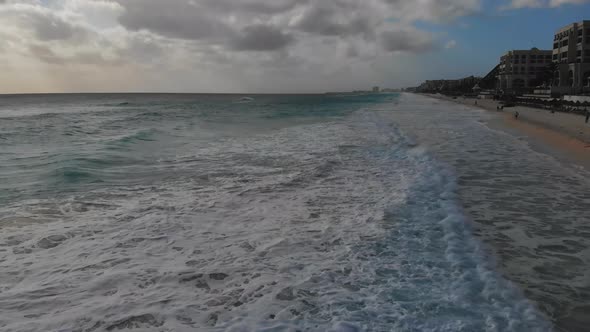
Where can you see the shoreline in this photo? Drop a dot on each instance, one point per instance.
(545, 256)
(564, 136)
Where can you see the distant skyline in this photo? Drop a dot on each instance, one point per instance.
(263, 46)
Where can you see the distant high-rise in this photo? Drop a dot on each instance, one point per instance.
(571, 53)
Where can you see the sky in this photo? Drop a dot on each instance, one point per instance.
(263, 46)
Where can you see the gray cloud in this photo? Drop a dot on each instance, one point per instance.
(335, 19)
(174, 19)
(517, 4)
(253, 6)
(50, 27)
(407, 40)
(46, 54)
(261, 38)
(433, 10)
(216, 44)
(44, 23)
(239, 26)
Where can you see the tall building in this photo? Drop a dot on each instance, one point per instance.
(571, 53)
(519, 69)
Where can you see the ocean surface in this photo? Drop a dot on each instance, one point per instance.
(385, 212)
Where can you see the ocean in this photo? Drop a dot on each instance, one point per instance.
(377, 212)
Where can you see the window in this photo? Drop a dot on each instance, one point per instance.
(555, 56)
(564, 43)
(579, 53)
(564, 55)
(518, 83)
(555, 45)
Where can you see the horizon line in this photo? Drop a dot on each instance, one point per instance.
(181, 93)
(162, 93)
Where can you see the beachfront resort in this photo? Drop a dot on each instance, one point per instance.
(557, 77)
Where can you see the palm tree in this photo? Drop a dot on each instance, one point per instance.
(545, 77)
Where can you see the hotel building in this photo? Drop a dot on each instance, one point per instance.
(519, 69)
(571, 53)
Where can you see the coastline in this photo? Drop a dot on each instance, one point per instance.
(564, 136)
(540, 240)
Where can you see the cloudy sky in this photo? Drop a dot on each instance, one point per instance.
(263, 45)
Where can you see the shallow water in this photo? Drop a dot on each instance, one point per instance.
(285, 213)
(529, 207)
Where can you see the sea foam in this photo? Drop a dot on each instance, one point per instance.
(341, 223)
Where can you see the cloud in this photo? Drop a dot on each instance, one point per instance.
(433, 10)
(451, 44)
(174, 19)
(261, 38)
(211, 45)
(253, 6)
(557, 3)
(407, 40)
(43, 22)
(46, 54)
(336, 19)
(517, 4)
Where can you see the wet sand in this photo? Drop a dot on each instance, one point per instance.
(563, 135)
(539, 234)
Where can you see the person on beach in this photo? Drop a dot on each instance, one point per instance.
(587, 116)
(516, 114)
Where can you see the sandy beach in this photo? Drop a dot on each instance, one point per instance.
(544, 252)
(563, 135)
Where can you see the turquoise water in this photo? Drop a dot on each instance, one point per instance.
(59, 144)
(215, 212)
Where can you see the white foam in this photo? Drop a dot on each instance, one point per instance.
(343, 225)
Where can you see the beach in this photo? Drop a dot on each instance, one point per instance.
(564, 135)
(545, 252)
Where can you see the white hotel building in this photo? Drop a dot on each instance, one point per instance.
(519, 69)
(571, 53)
